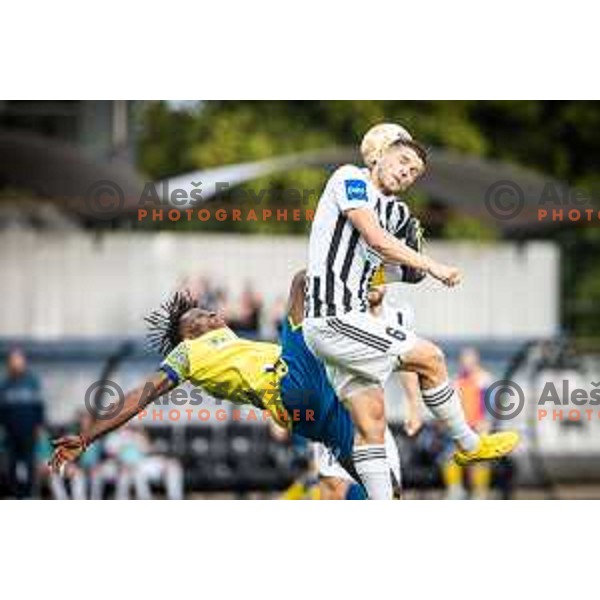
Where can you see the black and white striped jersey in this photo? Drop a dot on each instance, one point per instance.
(340, 263)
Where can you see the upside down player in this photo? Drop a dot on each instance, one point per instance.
(287, 381)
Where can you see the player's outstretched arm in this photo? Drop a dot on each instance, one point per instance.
(392, 251)
(70, 447)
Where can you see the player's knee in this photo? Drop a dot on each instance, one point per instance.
(437, 359)
(377, 412)
(434, 371)
(428, 360)
(371, 426)
(332, 488)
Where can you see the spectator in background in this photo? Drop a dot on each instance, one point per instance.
(277, 313)
(4, 463)
(21, 414)
(77, 477)
(122, 455)
(89, 464)
(304, 455)
(219, 302)
(473, 382)
(251, 305)
(156, 469)
(45, 477)
(206, 293)
(243, 314)
(429, 454)
(132, 467)
(195, 286)
(247, 317)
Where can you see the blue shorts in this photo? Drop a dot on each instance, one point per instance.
(305, 386)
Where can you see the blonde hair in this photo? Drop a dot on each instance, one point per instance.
(379, 138)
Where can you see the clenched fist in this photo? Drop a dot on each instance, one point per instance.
(449, 276)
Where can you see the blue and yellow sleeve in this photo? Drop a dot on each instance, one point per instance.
(177, 364)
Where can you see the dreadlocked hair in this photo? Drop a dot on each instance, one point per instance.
(163, 323)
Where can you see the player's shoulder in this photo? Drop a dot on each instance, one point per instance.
(177, 363)
(351, 183)
(179, 354)
(349, 172)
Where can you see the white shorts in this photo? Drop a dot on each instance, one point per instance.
(402, 314)
(329, 467)
(359, 350)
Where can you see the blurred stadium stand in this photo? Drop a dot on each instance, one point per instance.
(77, 285)
(240, 456)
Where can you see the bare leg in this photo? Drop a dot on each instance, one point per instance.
(413, 420)
(428, 361)
(333, 488)
(367, 409)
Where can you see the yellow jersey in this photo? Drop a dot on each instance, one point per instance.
(378, 277)
(231, 368)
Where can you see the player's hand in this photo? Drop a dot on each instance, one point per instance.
(413, 425)
(449, 276)
(67, 449)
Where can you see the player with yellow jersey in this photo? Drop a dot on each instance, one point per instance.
(231, 368)
(287, 381)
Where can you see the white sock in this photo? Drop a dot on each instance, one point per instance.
(444, 402)
(372, 466)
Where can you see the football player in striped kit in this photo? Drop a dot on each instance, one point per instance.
(355, 230)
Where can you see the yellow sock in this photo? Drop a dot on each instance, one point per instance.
(452, 474)
(481, 477)
(296, 491)
(314, 493)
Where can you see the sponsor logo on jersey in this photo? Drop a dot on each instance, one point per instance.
(356, 189)
(220, 340)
